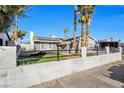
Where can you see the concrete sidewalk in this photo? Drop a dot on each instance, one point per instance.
(107, 76)
(77, 80)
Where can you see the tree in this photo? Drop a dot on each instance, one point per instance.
(83, 11)
(5, 17)
(21, 34)
(16, 32)
(86, 12)
(8, 13)
(65, 33)
(90, 11)
(75, 27)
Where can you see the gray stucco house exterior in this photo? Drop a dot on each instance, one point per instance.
(50, 43)
(46, 43)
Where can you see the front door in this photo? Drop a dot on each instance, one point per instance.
(1, 42)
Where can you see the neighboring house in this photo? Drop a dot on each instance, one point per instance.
(5, 40)
(109, 42)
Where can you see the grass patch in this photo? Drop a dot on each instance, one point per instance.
(33, 57)
(45, 58)
(91, 54)
(50, 57)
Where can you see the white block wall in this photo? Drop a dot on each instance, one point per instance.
(26, 76)
(7, 56)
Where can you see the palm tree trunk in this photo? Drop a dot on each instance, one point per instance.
(65, 35)
(16, 21)
(16, 29)
(82, 35)
(75, 24)
(87, 32)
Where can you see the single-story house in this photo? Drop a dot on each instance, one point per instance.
(50, 43)
(68, 44)
(91, 44)
(46, 43)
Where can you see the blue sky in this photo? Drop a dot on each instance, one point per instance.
(107, 21)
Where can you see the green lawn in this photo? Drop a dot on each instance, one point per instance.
(45, 58)
(91, 54)
(50, 57)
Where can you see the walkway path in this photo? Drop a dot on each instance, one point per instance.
(107, 76)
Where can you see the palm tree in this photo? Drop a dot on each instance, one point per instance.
(20, 13)
(65, 33)
(8, 16)
(17, 34)
(21, 34)
(83, 11)
(75, 26)
(90, 11)
(8, 13)
(14, 33)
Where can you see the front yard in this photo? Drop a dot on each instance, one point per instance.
(45, 58)
(38, 57)
(33, 57)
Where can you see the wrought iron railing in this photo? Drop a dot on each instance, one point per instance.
(40, 56)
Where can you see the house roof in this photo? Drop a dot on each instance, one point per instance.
(47, 38)
(38, 38)
(93, 38)
(108, 40)
(80, 36)
(8, 36)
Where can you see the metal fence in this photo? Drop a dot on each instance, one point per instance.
(98, 51)
(95, 51)
(113, 50)
(31, 57)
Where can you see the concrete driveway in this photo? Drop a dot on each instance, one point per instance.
(107, 76)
